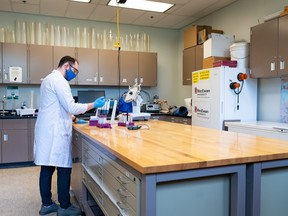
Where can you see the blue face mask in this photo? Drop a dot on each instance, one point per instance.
(70, 74)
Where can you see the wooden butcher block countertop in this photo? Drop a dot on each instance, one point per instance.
(166, 146)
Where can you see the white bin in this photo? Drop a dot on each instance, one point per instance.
(240, 52)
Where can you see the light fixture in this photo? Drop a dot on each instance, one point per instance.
(143, 5)
(84, 1)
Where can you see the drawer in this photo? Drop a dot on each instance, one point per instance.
(107, 206)
(15, 124)
(93, 166)
(123, 178)
(119, 192)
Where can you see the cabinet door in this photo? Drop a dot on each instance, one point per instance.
(108, 67)
(15, 141)
(14, 55)
(189, 65)
(88, 66)
(31, 139)
(147, 69)
(59, 52)
(0, 141)
(40, 62)
(263, 55)
(199, 57)
(283, 44)
(128, 68)
(1, 69)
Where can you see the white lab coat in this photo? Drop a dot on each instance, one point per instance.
(53, 128)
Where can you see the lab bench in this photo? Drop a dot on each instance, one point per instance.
(174, 169)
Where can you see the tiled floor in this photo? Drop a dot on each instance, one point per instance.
(19, 191)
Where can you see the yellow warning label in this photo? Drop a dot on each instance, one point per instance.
(195, 77)
(204, 75)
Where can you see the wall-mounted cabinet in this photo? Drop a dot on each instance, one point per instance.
(147, 74)
(129, 68)
(88, 66)
(108, 67)
(14, 56)
(140, 67)
(97, 67)
(269, 54)
(40, 62)
(192, 61)
(59, 52)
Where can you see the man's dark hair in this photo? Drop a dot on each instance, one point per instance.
(65, 59)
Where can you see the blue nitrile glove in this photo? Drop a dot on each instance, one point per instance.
(99, 102)
(81, 121)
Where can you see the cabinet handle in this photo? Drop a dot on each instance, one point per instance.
(282, 65)
(5, 137)
(272, 66)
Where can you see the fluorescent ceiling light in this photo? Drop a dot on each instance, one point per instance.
(143, 5)
(85, 1)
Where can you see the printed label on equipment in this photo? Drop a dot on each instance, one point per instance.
(204, 75)
(195, 77)
(202, 111)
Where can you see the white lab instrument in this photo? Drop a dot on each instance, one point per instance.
(215, 99)
(133, 95)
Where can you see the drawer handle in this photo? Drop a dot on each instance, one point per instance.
(123, 193)
(122, 206)
(122, 179)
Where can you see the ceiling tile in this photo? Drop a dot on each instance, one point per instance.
(149, 18)
(193, 7)
(128, 16)
(5, 5)
(103, 13)
(53, 7)
(169, 20)
(79, 10)
(25, 8)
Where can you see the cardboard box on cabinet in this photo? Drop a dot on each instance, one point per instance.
(205, 34)
(191, 35)
(218, 45)
(208, 62)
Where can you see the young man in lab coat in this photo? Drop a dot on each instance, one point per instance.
(53, 133)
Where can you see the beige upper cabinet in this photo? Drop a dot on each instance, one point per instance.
(88, 66)
(14, 63)
(140, 67)
(269, 54)
(192, 61)
(189, 63)
(59, 52)
(147, 74)
(283, 44)
(40, 62)
(1, 69)
(96, 67)
(128, 68)
(108, 68)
